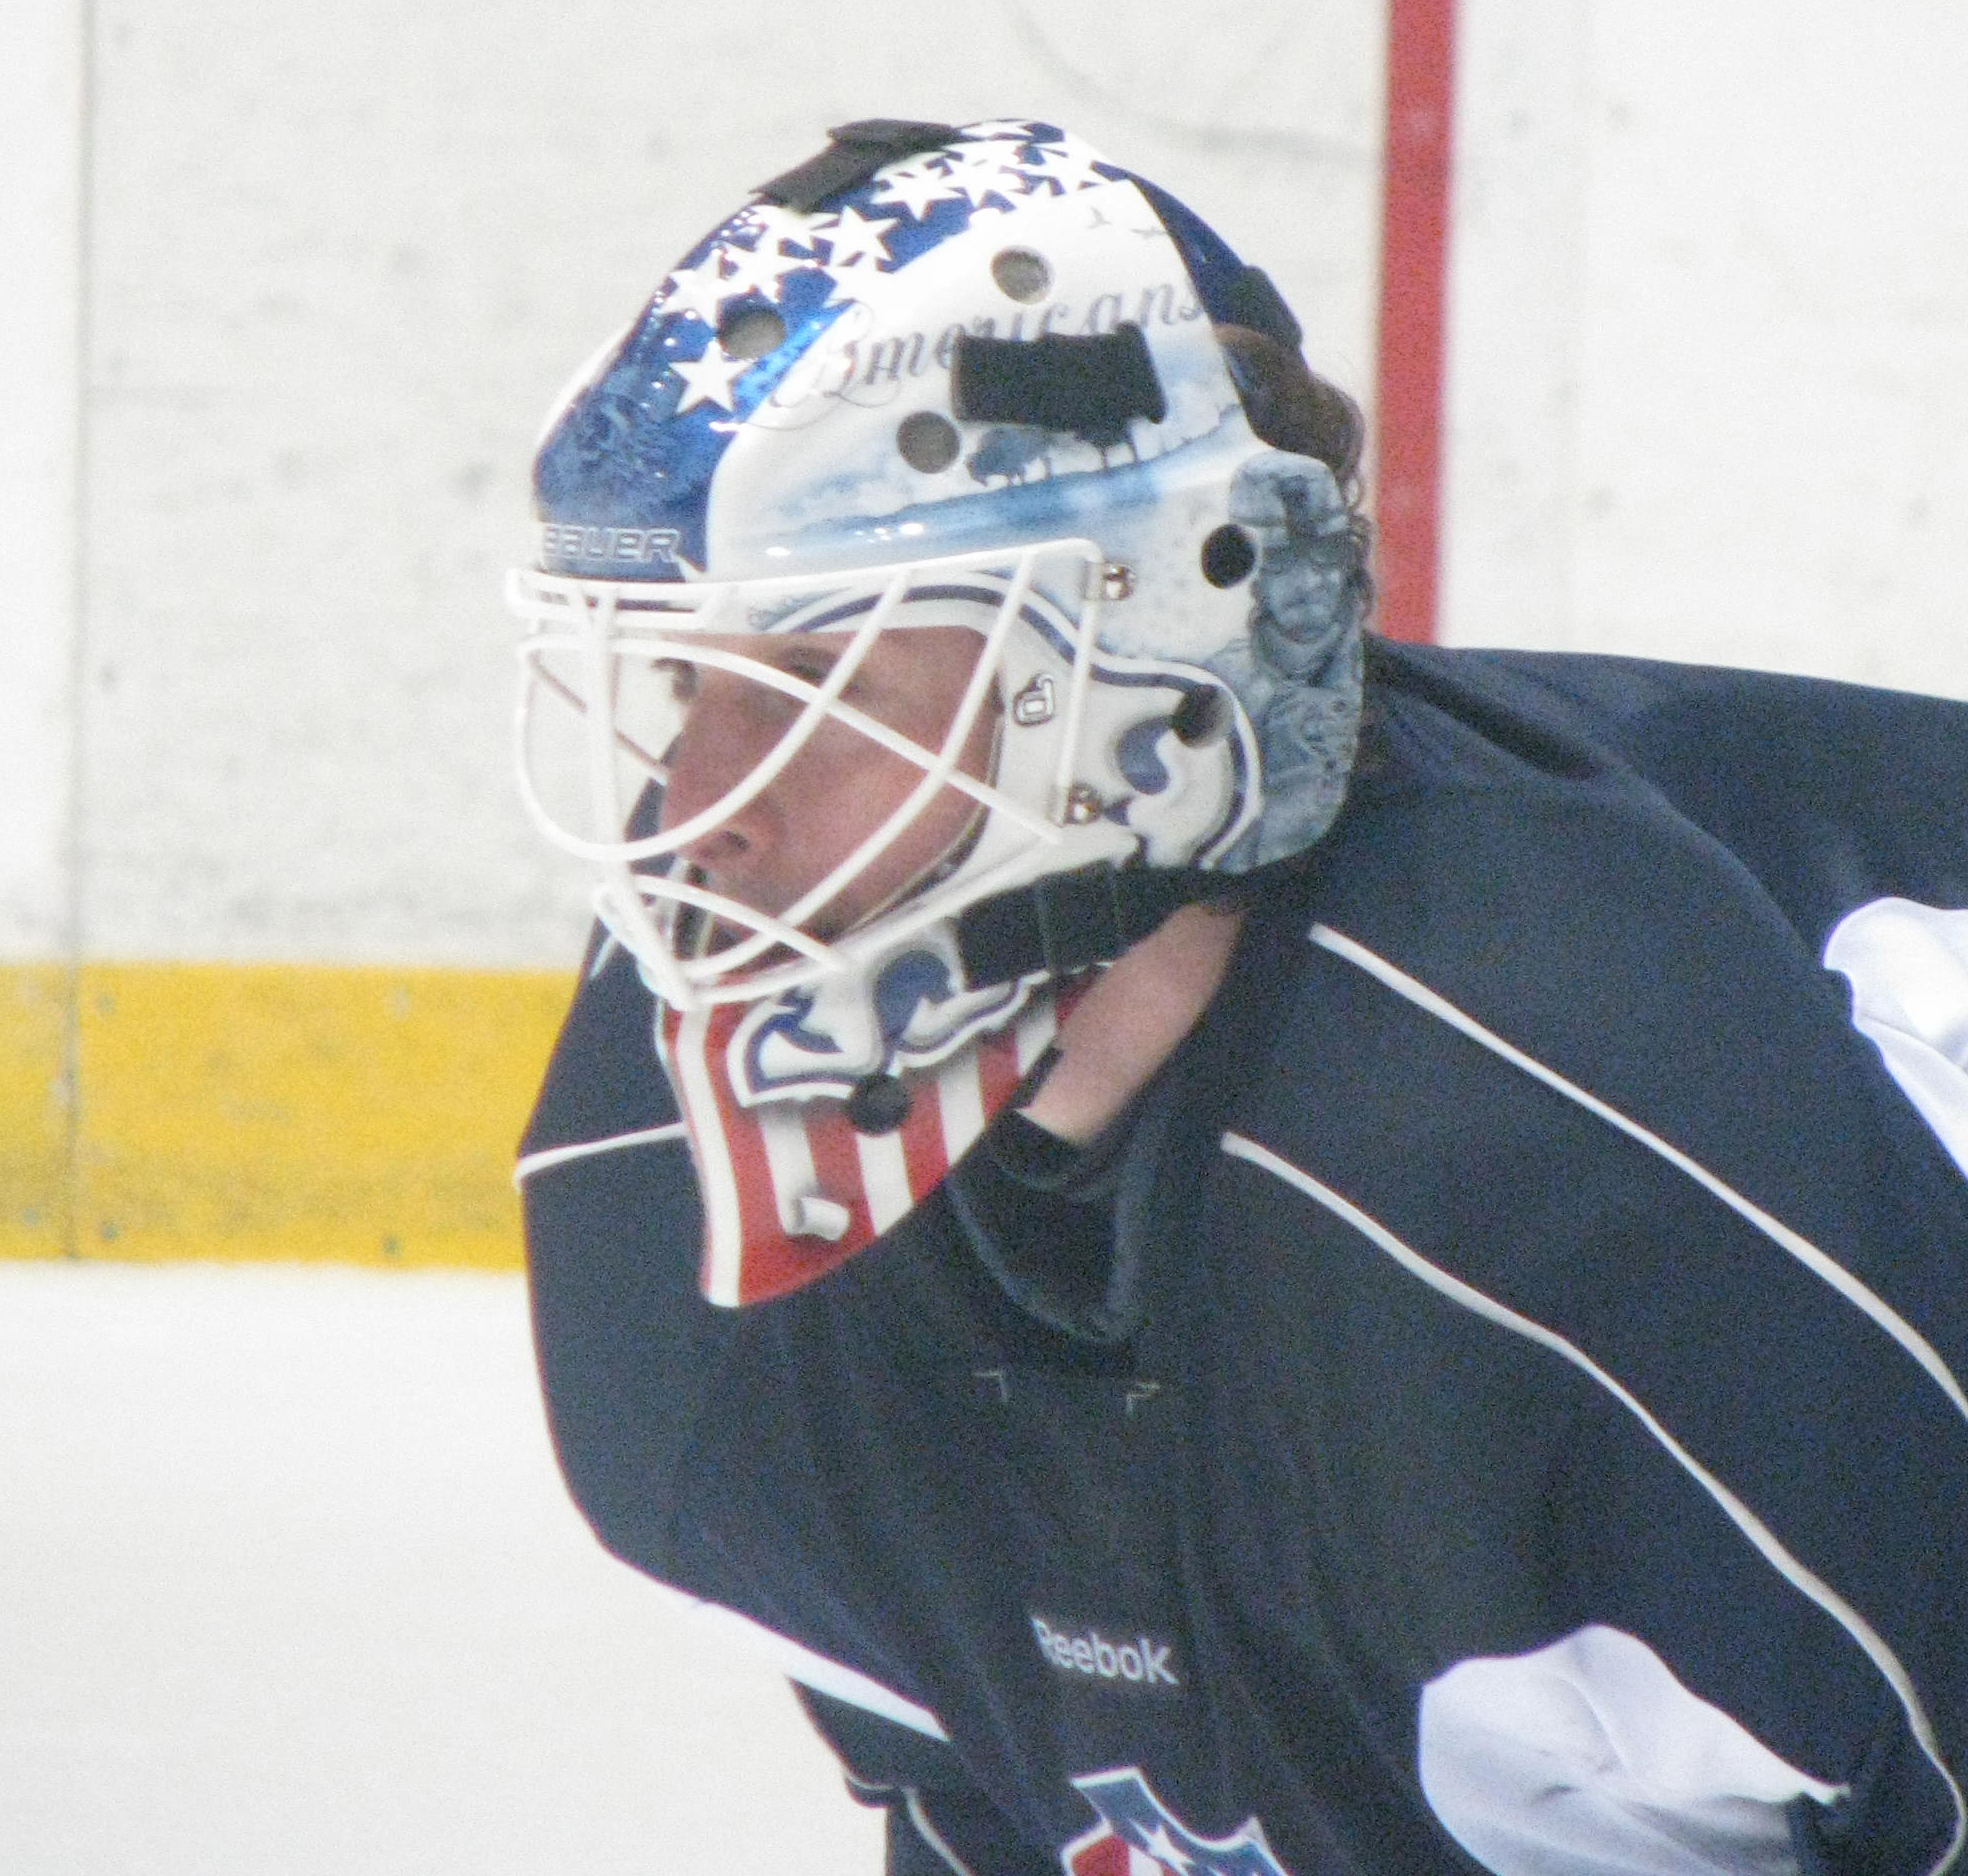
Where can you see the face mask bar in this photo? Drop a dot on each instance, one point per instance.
(646, 896)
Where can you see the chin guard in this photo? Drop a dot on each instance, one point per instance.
(792, 1189)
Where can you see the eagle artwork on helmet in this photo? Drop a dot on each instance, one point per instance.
(962, 399)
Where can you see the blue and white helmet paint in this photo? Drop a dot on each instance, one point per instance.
(785, 441)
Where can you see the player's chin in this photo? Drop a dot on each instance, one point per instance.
(706, 931)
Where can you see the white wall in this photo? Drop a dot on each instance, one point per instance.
(344, 257)
(41, 214)
(1708, 364)
(1710, 361)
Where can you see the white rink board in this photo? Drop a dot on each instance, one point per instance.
(288, 1584)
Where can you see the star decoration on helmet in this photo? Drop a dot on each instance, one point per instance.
(853, 240)
(699, 291)
(987, 173)
(1070, 170)
(915, 188)
(708, 379)
(760, 269)
(768, 221)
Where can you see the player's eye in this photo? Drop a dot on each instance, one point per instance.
(682, 678)
(811, 666)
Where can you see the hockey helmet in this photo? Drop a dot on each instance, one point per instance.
(937, 377)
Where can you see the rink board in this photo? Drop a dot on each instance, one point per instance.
(153, 1111)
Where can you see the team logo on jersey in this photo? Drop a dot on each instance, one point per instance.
(1138, 1835)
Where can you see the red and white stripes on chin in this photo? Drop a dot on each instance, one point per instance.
(791, 1189)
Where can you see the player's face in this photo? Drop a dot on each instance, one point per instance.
(840, 786)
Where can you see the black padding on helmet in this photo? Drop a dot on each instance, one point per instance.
(1091, 384)
(1253, 301)
(855, 153)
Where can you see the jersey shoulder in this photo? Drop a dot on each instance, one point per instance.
(1830, 795)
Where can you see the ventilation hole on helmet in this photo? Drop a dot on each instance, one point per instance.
(1021, 275)
(1228, 555)
(927, 442)
(1201, 717)
(751, 332)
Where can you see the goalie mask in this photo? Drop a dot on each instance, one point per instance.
(917, 621)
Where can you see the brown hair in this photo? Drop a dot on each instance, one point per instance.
(1291, 407)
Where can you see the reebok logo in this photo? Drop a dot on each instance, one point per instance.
(1142, 1662)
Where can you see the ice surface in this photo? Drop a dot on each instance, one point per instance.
(289, 1587)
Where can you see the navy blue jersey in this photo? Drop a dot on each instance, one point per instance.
(1511, 1422)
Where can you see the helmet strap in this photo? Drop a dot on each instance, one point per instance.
(1068, 922)
(854, 153)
